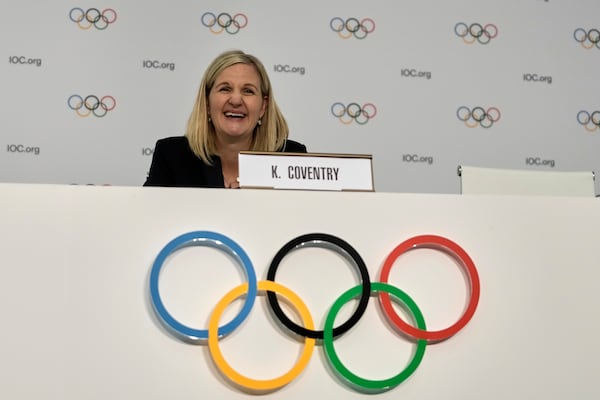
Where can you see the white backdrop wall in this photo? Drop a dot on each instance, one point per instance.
(415, 72)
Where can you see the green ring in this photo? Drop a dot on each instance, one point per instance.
(367, 385)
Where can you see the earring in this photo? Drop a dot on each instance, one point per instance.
(259, 122)
(209, 119)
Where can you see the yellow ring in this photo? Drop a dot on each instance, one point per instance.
(346, 122)
(586, 46)
(216, 32)
(236, 377)
(471, 126)
(89, 112)
(84, 27)
(467, 41)
(345, 36)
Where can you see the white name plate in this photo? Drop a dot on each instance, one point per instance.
(307, 171)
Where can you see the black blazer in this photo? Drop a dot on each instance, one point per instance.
(174, 164)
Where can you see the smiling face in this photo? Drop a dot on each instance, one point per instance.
(236, 103)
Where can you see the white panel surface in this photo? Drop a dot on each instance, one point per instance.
(77, 321)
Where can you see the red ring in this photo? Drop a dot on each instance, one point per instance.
(456, 252)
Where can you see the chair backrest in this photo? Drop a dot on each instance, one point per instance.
(480, 180)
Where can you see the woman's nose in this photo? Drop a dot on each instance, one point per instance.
(235, 97)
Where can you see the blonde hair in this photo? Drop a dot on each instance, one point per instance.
(270, 135)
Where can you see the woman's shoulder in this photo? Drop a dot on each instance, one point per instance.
(172, 144)
(173, 141)
(291, 146)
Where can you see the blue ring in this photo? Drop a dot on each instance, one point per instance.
(220, 242)
(69, 102)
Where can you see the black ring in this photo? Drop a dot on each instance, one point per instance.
(350, 251)
(477, 26)
(355, 24)
(224, 14)
(94, 19)
(481, 117)
(595, 118)
(351, 113)
(596, 37)
(95, 105)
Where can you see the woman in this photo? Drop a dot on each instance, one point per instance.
(234, 111)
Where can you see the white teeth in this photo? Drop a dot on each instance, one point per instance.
(236, 115)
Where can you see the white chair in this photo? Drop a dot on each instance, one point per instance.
(480, 180)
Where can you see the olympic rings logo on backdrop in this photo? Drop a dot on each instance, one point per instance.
(354, 112)
(476, 32)
(93, 17)
(478, 116)
(419, 335)
(589, 120)
(588, 39)
(224, 22)
(352, 27)
(84, 107)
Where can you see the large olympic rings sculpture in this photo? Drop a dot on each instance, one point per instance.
(91, 104)
(93, 17)
(249, 290)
